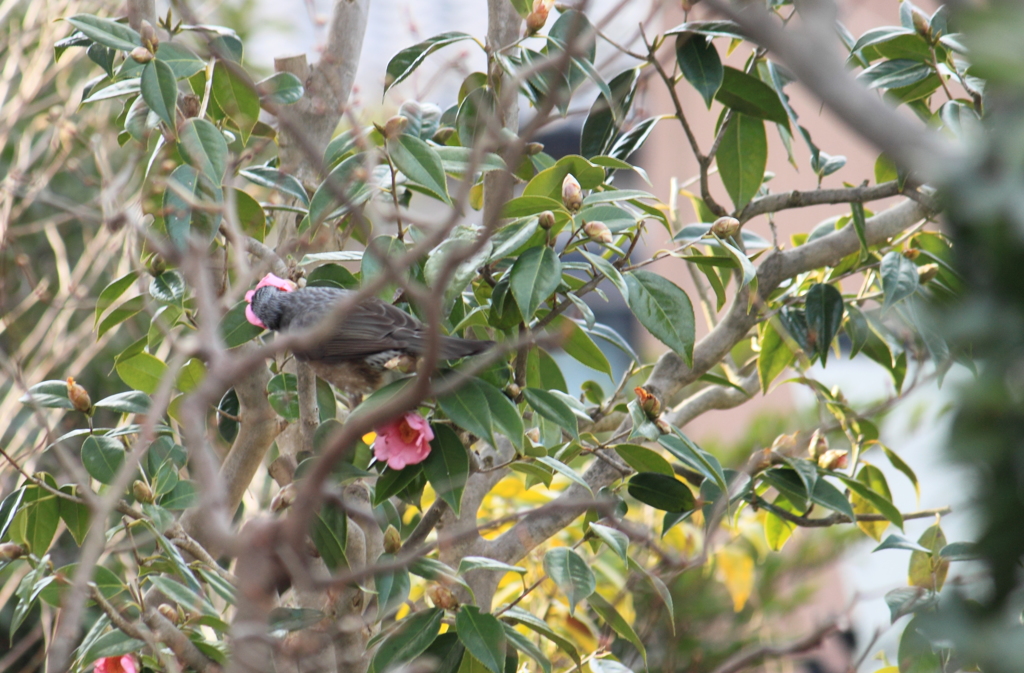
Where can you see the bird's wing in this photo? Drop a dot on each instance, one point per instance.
(371, 327)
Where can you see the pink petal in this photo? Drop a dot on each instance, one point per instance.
(251, 317)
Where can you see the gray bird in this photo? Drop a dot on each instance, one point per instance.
(370, 339)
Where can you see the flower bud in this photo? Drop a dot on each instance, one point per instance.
(142, 491)
(533, 148)
(911, 253)
(546, 220)
(149, 39)
(10, 551)
(284, 498)
(442, 135)
(818, 446)
(392, 540)
(598, 231)
(833, 459)
(533, 434)
(141, 55)
(79, 397)
(572, 193)
(921, 23)
(442, 597)
(395, 126)
(725, 227)
(536, 19)
(927, 273)
(648, 402)
(169, 613)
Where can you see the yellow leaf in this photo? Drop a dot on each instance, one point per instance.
(369, 437)
(736, 571)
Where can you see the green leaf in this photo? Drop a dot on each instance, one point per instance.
(282, 88)
(577, 344)
(660, 588)
(123, 312)
(749, 96)
(870, 488)
(103, 57)
(633, 140)
(464, 408)
(541, 627)
(168, 288)
(235, 329)
(549, 181)
(130, 402)
(612, 618)
(272, 178)
(610, 272)
(616, 540)
(183, 61)
(102, 457)
(75, 515)
(483, 635)
(181, 219)
(899, 278)
(664, 309)
(474, 112)
(48, 394)
(203, 147)
(159, 89)
(412, 637)
(775, 355)
(392, 482)
(141, 372)
(827, 495)
(689, 453)
(524, 206)
(552, 408)
(533, 278)
(236, 95)
(928, 570)
(699, 62)
(895, 73)
(392, 587)
(283, 395)
(824, 311)
(565, 471)
(526, 646)
(189, 600)
(642, 459)
(113, 644)
(420, 163)
(742, 158)
(106, 32)
(902, 466)
(605, 116)
(571, 573)
(330, 533)
(183, 496)
(447, 466)
(111, 292)
(777, 530)
(661, 492)
(406, 61)
(41, 512)
(190, 375)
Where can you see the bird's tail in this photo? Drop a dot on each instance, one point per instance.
(453, 348)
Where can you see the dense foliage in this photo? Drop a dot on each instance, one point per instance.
(186, 493)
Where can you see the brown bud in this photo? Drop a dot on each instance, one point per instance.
(190, 105)
(922, 24)
(546, 220)
(156, 265)
(818, 446)
(395, 126)
(392, 540)
(513, 390)
(911, 253)
(142, 55)
(927, 272)
(79, 397)
(833, 459)
(572, 193)
(442, 135)
(284, 498)
(142, 491)
(149, 39)
(598, 231)
(10, 551)
(648, 402)
(534, 435)
(442, 597)
(169, 613)
(725, 227)
(536, 19)
(533, 148)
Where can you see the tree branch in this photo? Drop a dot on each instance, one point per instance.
(836, 518)
(773, 203)
(756, 654)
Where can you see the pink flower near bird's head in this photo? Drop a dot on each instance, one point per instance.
(268, 280)
(123, 664)
(403, 441)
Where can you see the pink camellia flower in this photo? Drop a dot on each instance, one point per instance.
(404, 441)
(123, 664)
(273, 281)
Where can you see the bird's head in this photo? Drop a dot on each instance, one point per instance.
(264, 309)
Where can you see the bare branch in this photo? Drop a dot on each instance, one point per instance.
(758, 653)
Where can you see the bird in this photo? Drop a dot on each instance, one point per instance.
(367, 342)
